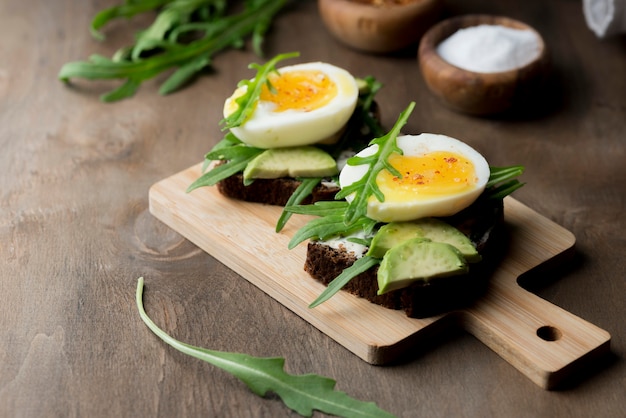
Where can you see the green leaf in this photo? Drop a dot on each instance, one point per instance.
(229, 140)
(503, 190)
(125, 90)
(184, 74)
(127, 10)
(320, 228)
(503, 181)
(329, 226)
(237, 158)
(302, 192)
(246, 103)
(233, 152)
(500, 174)
(154, 35)
(361, 265)
(159, 48)
(322, 208)
(365, 187)
(301, 393)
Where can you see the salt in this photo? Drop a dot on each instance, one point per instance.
(490, 48)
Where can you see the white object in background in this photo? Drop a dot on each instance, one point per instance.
(605, 17)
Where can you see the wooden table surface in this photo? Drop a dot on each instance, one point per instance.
(76, 232)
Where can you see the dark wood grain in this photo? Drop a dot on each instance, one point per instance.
(75, 231)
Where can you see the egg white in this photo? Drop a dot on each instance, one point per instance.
(420, 207)
(268, 129)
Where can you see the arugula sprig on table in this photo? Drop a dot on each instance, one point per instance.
(301, 393)
(186, 34)
(173, 13)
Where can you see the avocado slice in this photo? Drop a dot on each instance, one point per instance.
(434, 229)
(392, 234)
(418, 259)
(306, 161)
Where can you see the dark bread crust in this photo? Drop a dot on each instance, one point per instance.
(483, 222)
(272, 191)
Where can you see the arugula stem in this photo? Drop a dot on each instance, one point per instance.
(301, 393)
(361, 265)
(365, 187)
(303, 190)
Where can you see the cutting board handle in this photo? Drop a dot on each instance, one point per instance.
(540, 339)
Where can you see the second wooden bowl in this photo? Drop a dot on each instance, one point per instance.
(379, 26)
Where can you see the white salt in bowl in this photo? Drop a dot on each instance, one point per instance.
(468, 79)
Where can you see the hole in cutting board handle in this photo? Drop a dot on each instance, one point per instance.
(549, 333)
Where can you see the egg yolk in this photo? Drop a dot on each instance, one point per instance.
(303, 90)
(431, 175)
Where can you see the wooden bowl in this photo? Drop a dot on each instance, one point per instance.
(473, 92)
(379, 26)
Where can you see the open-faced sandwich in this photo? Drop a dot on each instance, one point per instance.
(417, 224)
(407, 222)
(289, 132)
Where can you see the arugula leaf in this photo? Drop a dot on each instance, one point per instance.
(330, 222)
(366, 186)
(228, 141)
(361, 265)
(248, 100)
(322, 208)
(499, 174)
(128, 10)
(503, 190)
(502, 181)
(301, 393)
(161, 47)
(362, 241)
(172, 21)
(307, 184)
(236, 156)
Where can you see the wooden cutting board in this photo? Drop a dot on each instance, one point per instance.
(543, 341)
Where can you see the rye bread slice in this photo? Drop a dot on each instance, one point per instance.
(272, 191)
(483, 223)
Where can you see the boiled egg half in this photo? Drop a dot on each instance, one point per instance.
(439, 176)
(309, 103)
